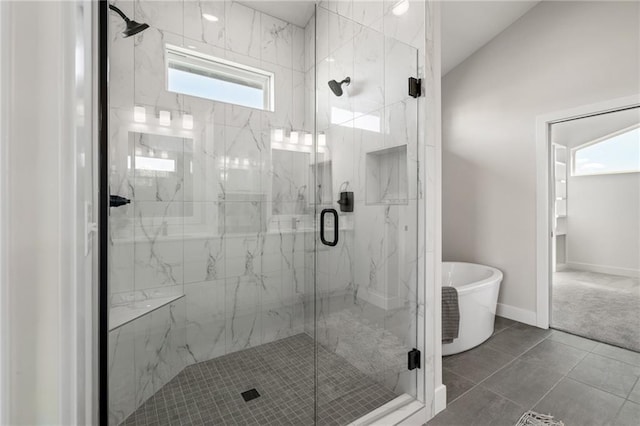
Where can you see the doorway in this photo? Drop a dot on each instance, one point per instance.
(595, 244)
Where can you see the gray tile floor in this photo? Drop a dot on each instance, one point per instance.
(579, 381)
(208, 393)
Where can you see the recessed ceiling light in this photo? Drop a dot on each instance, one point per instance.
(209, 17)
(401, 7)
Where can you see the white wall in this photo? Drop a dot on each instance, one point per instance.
(557, 56)
(47, 280)
(603, 223)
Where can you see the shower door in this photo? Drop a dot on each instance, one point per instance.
(230, 301)
(366, 176)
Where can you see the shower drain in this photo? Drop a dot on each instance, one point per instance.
(250, 394)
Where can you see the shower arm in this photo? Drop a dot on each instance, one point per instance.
(119, 12)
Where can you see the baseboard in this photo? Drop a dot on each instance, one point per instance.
(440, 399)
(517, 314)
(604, 269)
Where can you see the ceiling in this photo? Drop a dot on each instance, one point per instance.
(577, 132)
(469, 25)
(466, 25)
(296, 12)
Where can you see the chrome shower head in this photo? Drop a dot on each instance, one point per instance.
(336, 87)
(133, 27)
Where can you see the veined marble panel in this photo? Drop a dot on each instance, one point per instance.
(196, 27)
(163, 15)
(122, 375)
(409, 27)
(368, 72)
(149, 62)
(205, 320)
(158, 244)
(159, 339)
(277, 41)
(243, 30)
(204, 257)
(121, 77)
(369, 13)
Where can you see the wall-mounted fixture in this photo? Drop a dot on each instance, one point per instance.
(132, 27)
(400, 8)
(336, 87)
(415, 87)
(164, 118)
(209, 17)
(187, 121)
(139, 114)
(346, 201)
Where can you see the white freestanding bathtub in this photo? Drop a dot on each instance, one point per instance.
(478, 288)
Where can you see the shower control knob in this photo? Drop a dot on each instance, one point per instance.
(117, 201)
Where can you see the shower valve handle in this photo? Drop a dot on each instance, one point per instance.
(117, 201)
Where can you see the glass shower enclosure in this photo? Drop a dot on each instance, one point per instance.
(263, 228)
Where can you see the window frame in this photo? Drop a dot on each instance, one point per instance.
(574, 150)
(234, 72)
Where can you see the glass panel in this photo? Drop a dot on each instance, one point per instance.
(367, 152)
(224, 305)
(212, 260)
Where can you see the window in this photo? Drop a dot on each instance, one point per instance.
(615, 153)
(195, 74)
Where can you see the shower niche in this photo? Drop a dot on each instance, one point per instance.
(386, 176)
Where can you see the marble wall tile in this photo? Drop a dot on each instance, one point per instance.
(281, 117)
(243, 314)
(277, 41)
(196, 27)
(149, 62)
(369, 13)
(244, 255)
(204, 259)
(299, 119)
(244, 149)
(155, 183)
(400, 64)
(121, 374)
(341, 31)
(243, 30)
(366, 139)
(310, 44)
(341, 7)
(158, 244)
(298, 57)
(205, 320)
(204, 163)
(120, 53)
(409, 27)
(368, 71)
(160, 335)
(341, 108)
(121, 266)
(340, 148)
(161, 15)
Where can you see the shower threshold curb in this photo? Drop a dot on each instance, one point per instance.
(391, 413)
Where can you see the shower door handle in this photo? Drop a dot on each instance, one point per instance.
(335, 227)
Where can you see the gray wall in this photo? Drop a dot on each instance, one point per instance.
(557, 56)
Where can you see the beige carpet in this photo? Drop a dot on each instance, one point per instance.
(598, 306)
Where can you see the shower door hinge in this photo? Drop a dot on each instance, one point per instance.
(414, 359)
(415, 87)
